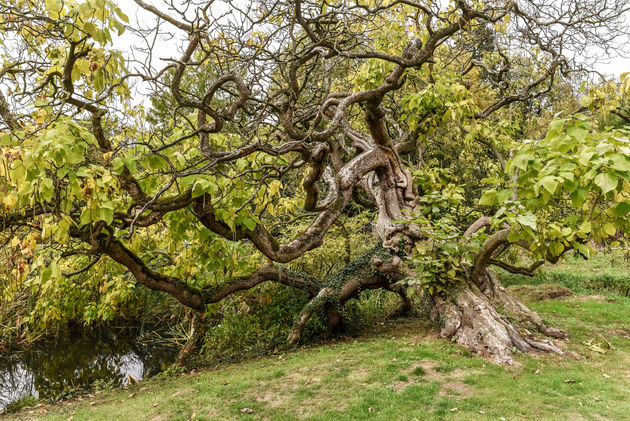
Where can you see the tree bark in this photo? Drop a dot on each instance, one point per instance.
(491, 322)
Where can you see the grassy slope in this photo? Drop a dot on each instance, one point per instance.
(404, 373)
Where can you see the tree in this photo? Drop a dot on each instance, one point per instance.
(276, 111)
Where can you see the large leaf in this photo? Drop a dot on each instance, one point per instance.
(606, 181)
(528, 220)
(550, 183)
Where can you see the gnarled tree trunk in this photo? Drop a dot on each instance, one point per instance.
(491, 322)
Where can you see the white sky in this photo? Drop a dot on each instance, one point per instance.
(611, 67)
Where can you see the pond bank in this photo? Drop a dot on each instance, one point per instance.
(400, 372)
(79, 361)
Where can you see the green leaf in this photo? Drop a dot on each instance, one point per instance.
(577, 133)
(99, 80)
(583, 249)
(204, 186)
(550, 183)
(606, 181)
(521, 160)
(89, 28)
(513, 236)
(528, 220)
(46, 189)
(130, 162)
(46, 273)
(620, 163)
(85, 218)
(119, 165)
(249, 223)
(556, 248)
(610, 229)
(503, 195)
(586, 101)
(61, 233)
(555, 128)
(121, 15)
(622, 208)
(450, 247)
(570, 185)
(585, 157)
(105, 214)
(578, 197)
(53, 5)
(489, 198)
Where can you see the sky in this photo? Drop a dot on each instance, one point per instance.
(611, 67)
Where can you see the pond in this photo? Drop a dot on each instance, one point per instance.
(78, 362)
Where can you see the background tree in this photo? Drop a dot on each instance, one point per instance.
(281, 111)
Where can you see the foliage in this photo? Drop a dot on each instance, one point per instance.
(255, 323)
(285, 142)
(571, 186)
(443, 260)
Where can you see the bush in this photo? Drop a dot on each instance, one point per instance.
(256, 322)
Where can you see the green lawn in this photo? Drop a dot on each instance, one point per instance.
(402, 372)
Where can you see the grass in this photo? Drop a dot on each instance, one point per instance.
(402, 372)
(604, 273)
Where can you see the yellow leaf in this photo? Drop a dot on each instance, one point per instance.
(274, 187)
(40, 116)
(610, 229)
(9, 201)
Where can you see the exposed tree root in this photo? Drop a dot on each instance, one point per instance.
(516, 309)
(473, 318)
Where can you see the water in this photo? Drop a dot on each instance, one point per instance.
(71, 364)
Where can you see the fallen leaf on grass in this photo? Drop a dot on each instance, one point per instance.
(605, 375)
(247, 411)
(599, 347)
(154, 405)
(182, 392)
(569, 381)
(454, 409)
(597, 399)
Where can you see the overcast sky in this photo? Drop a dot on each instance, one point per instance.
(613, 67)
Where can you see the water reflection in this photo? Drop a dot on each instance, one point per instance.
(53, 370)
